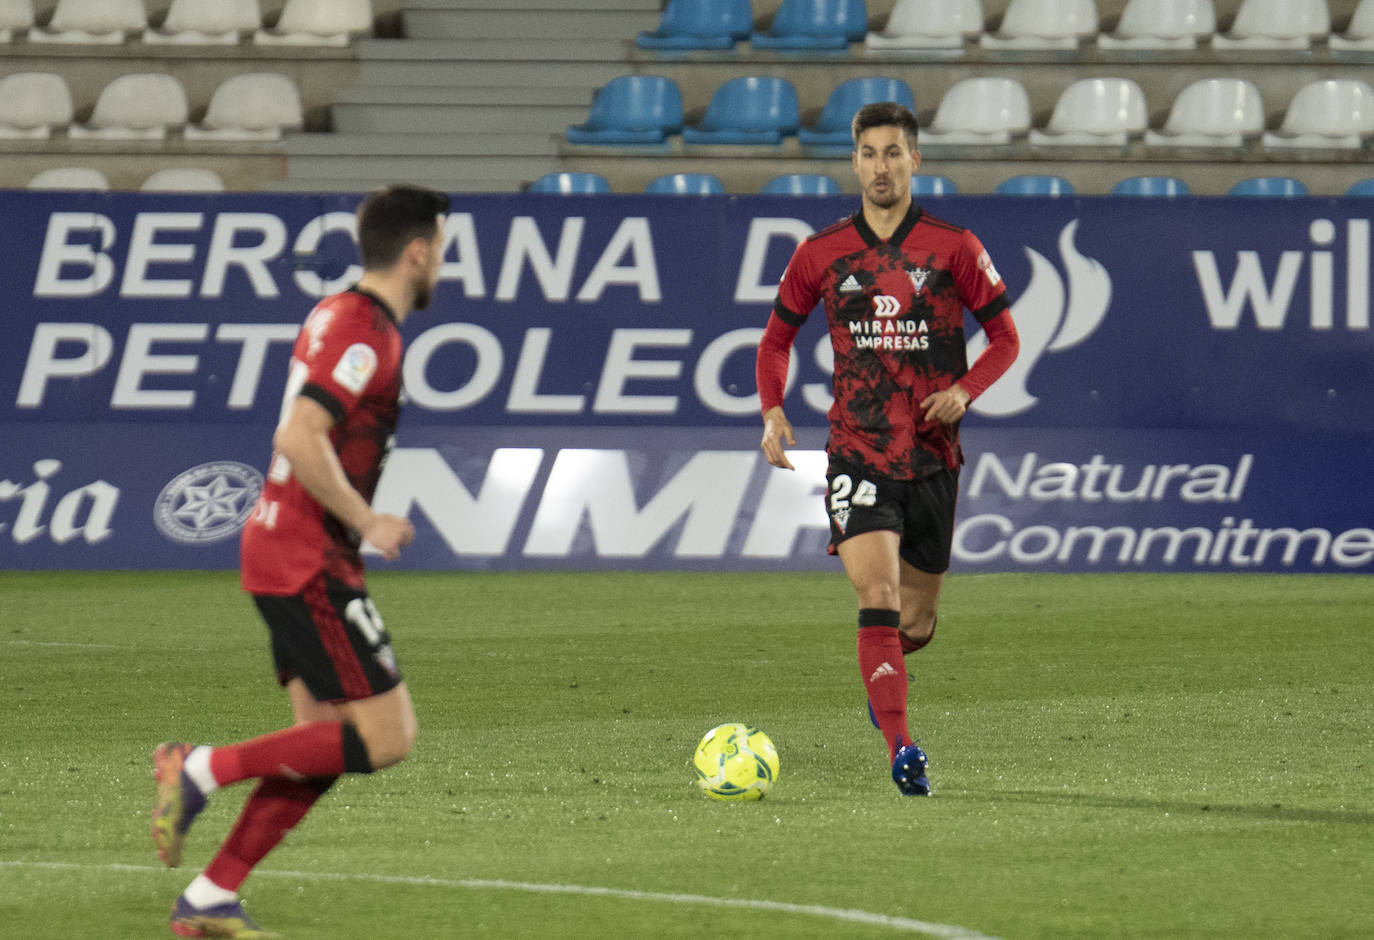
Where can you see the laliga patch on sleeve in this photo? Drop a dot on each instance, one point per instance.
(985, 265)
(356, 367)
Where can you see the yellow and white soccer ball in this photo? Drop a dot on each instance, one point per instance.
(736, 762)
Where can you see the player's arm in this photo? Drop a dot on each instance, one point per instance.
(799, 290)
(983, 292)
(303, 439)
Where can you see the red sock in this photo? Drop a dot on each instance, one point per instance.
(311, 750)
(276, 806)
(884, 675)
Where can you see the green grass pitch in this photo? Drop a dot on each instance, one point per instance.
(1112, 756)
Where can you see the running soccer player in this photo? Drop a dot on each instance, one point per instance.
(300, 561)
(895, 282)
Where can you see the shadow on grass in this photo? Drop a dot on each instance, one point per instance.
(1274, 811)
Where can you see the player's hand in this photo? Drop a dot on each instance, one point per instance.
(776, 430)
(947, 405)
(388, 534)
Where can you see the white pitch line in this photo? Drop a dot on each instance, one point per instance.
(904, 924)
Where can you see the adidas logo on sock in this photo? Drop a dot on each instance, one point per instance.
(850, 285)
(882, 671)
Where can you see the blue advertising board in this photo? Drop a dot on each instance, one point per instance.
(1193, 390)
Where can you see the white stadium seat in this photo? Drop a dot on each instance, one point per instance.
(1162, 24)
(33, 103)
(1095, 112)
(183, 180)
(1276, 24)
(984, 111)
(1359, 35)
(1331, 113)
(318, 23)
(141, 106)
(929, 24)
(207, 22)
(70, 177)
(93, 21)
(251, 106)
(1212, 112)
(1043, 24)
(15, 14)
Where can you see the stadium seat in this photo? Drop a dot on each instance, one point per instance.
(1332, 113)
(750, 110)
(32, 104)
(569, 184)
(1161, 24)
(92, 21)
(1267, 186)
(183, 180)
(933, 186)
(251, 106)
(1034, 184)
(929, 24)
(1212, 112)
(700, 24)
(1095, 112)
(1151, 186)
(140, 106)
(686, 184)
(802, 25)
(318, 23)
(832, 128)
(15, 15)
(984, 111)
(1275, 24)
(206, 22)
(801, 184)
(1359, 34)
(70, 177)
(631, 109)
(1363, 187)
(1043, 24)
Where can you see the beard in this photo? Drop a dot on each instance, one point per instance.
(423, 294)
(884, 200)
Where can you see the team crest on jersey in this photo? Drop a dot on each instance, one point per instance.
(918, 277)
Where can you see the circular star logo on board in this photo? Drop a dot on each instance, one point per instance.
(207, 503)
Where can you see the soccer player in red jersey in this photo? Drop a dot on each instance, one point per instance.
(895, 282)
(300, 561)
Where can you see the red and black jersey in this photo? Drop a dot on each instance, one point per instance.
(896, 312)
(348, 359)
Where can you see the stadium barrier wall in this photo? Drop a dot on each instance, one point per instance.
(1193, 392)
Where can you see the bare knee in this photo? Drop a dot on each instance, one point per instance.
(918, 626)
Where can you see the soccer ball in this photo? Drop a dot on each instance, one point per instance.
(736, 762)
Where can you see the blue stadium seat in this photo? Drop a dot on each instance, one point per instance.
(686, 184)
(700, 24)
(801, 184)
(933, 186)
(1363, 187)
(832, 127)
(1151, 186)
(751, 110)
(631, 109)
(1035, 184)
(569, 184)
(1266, 186)
(802, 25)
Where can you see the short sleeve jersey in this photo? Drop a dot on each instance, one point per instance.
(348, 359)
(895, 309)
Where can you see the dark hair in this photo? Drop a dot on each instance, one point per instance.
(885, 114)
(392, 218)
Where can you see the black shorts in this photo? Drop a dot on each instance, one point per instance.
(920, 511)
(331, 637)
